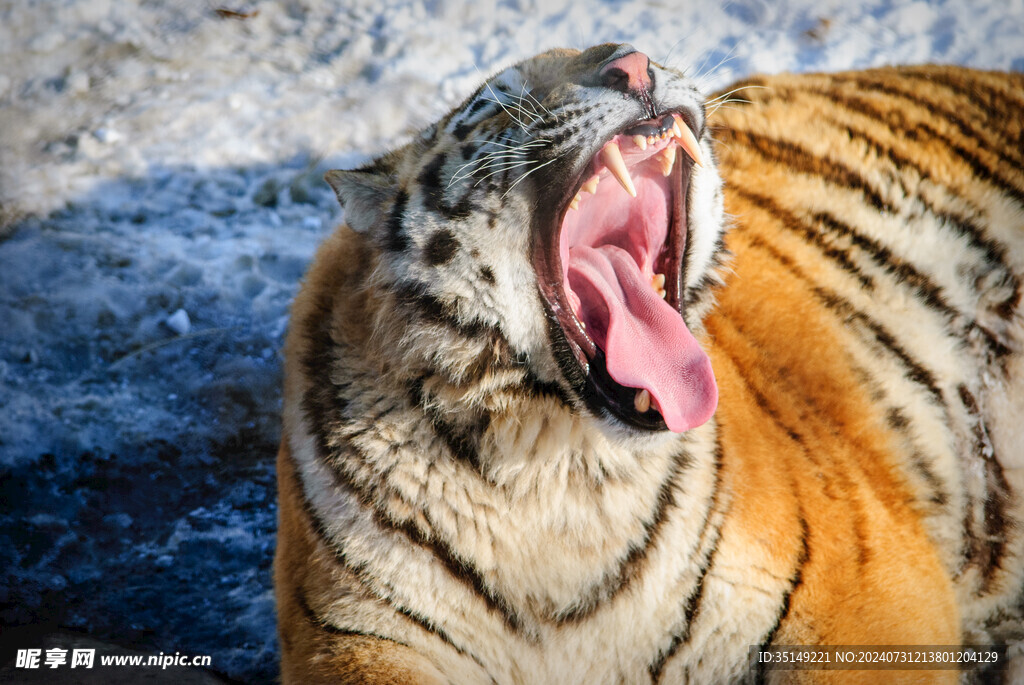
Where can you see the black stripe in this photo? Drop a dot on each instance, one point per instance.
(323, 406)
(842, 307)
(418, 297)
(971, 84)
(796, 575)
(930, 293)
(476, 106)
(703, 290)
(801, 160)
(989, 551)
(462, 443)
(895, 119)
(360, 570)
(631, 567)
(397, 240)
(472, 104)
(465, 206)
(994, 252)
(899, 422)
(964, 226)
(903, 272)
(934, 108)
(429, 181)
(322, 624)
(690, 608)
(691, 605)
(796, 579)
(914, 371)
(535, 387)
(801, 227)
(457, 567)
(432, 187)
(981, 169)
(996, 105)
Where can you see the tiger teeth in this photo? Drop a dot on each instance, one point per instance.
(684, 136)
(642, 401)
(591, 185)
(667, 158)
(658, 283)
(612, 158)
(575, 204)
(640, 142)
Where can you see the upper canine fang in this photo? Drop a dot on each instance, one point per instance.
(684, 136)
(612, 158)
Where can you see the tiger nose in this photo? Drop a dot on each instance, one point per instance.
(628, 74)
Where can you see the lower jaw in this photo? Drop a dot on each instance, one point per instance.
(604, 396)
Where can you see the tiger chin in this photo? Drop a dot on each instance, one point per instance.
(602, 382)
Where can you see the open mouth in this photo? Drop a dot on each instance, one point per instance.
(612, 276)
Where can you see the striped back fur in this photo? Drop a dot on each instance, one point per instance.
(453, 511)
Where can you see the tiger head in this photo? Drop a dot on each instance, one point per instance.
(564, 221)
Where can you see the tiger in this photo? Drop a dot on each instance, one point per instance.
(603, 380)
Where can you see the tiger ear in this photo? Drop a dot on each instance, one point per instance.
(363, 194)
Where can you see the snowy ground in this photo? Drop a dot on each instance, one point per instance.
(160, 197)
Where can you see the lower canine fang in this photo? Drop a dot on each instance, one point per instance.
(642, 401)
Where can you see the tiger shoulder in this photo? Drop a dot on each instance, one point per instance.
(604, 380)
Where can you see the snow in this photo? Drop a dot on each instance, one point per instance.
(160, 198)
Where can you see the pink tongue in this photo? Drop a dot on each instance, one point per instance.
(645, 342)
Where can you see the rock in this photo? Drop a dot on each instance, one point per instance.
(266, 194)
(107, 135)
(78, 82)
(179, 322)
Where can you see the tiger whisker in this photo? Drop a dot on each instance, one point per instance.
(523, 101)
(491, 159)
(715, 106)
(460, 175)
(509, 153)
(703, 75)
(736, 90)
(533, 98)
(664, 60)
(535, 142)
(504, 168)
(518, 180)
(721, 106)
(501, 104)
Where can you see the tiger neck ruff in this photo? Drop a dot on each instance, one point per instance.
(547, 422)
